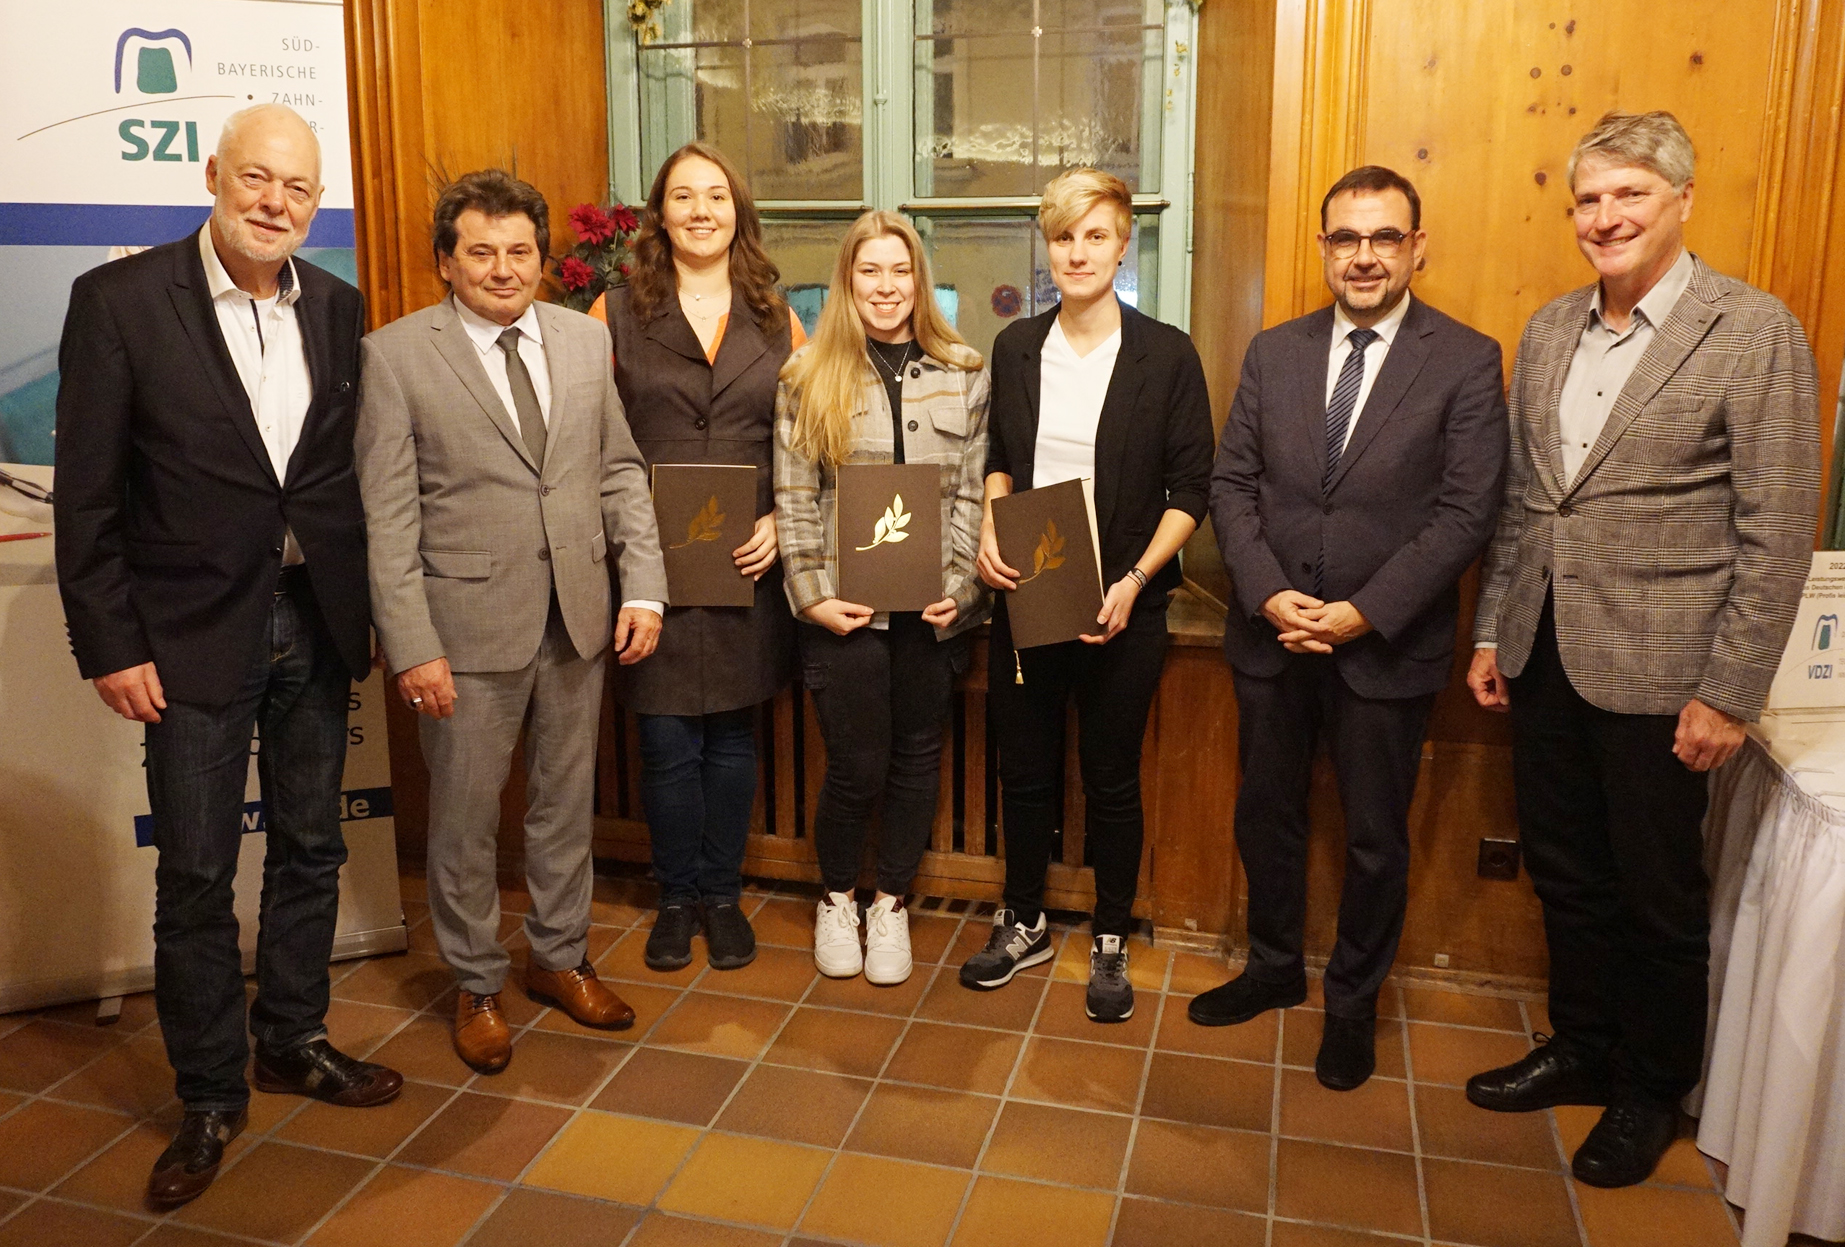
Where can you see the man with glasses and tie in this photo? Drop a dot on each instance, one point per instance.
(500, 484)
(1357, 477)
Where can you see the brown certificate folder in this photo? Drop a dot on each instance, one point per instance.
(889, 535)
(1048, 535)
(705, 511)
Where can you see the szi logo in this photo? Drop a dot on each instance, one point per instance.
(163, 134)
(155, 70)
(156, 73)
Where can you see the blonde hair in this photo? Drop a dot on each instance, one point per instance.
(1070, 196)
(1654, 141)
(829, 377)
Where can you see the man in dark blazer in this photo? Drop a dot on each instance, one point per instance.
(1356, 478)
(211, 558)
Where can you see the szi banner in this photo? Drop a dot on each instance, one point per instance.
(109, 119)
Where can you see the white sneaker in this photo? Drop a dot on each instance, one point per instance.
(887, 942)
(836, 951)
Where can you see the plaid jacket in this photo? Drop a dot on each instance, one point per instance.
(1677, 556)
(946, 420)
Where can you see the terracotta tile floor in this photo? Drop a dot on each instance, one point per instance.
(771, 1108)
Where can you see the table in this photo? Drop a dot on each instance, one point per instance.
(1773, 1097)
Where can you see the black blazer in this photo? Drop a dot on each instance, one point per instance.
(1411, 504)
(169, 515)
(1152, 443)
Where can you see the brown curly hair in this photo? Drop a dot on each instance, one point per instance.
(653, 285)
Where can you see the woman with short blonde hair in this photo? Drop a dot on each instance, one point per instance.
(886, 379)
(1090, 389)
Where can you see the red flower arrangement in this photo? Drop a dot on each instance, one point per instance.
(600, 259)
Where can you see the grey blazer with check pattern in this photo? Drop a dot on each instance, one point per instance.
(1677, 555)
(468, 538)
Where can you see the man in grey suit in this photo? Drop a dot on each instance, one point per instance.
(499, 478)
(1357, 477)
(1655, 536)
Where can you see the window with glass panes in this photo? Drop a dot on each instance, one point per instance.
(956, 112)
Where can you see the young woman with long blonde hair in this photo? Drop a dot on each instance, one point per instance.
(886, 379)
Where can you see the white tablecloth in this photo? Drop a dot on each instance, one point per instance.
(1774, 1090)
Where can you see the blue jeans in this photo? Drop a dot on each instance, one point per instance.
(698, 781)
(197, 764)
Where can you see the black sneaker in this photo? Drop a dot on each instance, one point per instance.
(1111, 996)
(1012, 947)
(669, 944)
(729, 941)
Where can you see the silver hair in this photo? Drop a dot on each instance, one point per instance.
(243, 116)
(1654, 141)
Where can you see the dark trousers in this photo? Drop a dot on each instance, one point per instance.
(198, 760)
(1376, 747)
(1612, 830)
(882, 698)
(698, 780)
(1114, 686)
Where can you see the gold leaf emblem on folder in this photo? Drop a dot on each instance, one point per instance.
(891, 527)
(707, 525)
(1049, 554)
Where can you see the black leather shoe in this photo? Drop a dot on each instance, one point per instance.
(669, 944)
(1548, 1075)
(320, 1070)
(1348, 1052)
(191, 1160)
(1243, 998)
(1626, 1144)
(729, 942)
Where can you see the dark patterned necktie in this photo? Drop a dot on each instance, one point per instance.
(1345, 398)
(525, 398)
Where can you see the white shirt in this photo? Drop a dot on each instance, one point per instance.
(1386, 330)
(264, 341)
(1071, 389)
(1604, 360)
(485, 335)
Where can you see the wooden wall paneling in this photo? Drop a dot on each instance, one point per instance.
(1194, 874)
(1230, 171)
(1799, 251)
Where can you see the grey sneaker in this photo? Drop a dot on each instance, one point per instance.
(1012, 947)
(1111, 996)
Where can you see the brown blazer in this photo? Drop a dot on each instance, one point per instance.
(1677, 555)
(685, 410)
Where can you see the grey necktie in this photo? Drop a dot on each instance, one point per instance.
(525, 398)
(1345, 398)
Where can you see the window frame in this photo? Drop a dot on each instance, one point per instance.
(888, 47)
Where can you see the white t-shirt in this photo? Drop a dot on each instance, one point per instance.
(1071, 389)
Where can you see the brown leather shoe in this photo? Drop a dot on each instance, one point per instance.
(191, 1160)
(320, 1070)
(580, 994)
(482, 1038)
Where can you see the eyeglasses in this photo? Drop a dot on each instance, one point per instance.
(34, 492)
(1386, 244)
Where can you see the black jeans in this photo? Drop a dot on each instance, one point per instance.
(882, 698)
(198, 761)
(698, 778)
(1612, 826)
(1114, 686)
(1376, 750)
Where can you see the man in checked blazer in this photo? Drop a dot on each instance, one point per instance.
(501, 484)
(1357, 478)
(1655, 536)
